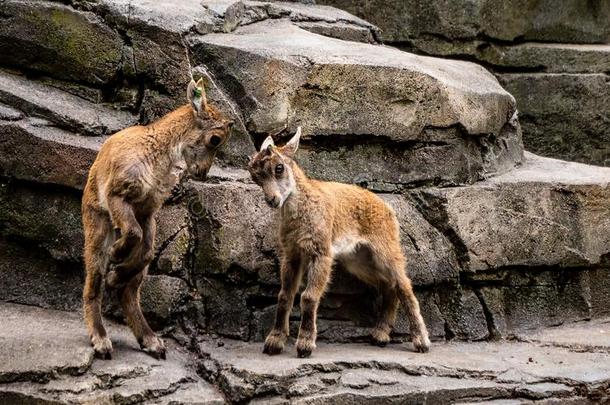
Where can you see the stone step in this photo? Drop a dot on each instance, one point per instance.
(473, 252)
(390, 116)
(449, 373)
(566, 116)
(46, 359)
(520, 250)
(64, 110)
(525, 57)
(494, 20)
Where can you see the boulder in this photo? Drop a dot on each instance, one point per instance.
(54, 38)
(526, 57)
(30, 276)
(63, 109)
(545, 213)
(566, 116)
(571, 21)
(36, 151)
(47, 359)
(452, 117)
(43, 217)
(163, 297)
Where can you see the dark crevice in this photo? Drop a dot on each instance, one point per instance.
(433, 209)
(494, 334)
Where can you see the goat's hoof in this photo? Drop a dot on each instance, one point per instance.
(274, 344)
(155, 347)
(303, 353)
(305, 348)
(380, 337)
(102, 347)
(421, 344)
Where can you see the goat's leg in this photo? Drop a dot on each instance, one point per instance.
(419, 332)
(98, 230)
(318, 275)
(291, 274)
(123, 219)
(140, 257)
(380, 335)
(130, 301)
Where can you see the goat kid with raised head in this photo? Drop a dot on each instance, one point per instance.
(134, 172)
(322, 222)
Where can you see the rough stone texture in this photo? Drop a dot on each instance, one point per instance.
(30, 276)
(34, 150)
(63, 109)
(571, 39)
(527, 217)
(37, 344)
(47, 359)
(53, 37)
(564, 115)
(449, 373)
(582, 336)
(569, 21)
(163, 297)
(415, 112)
(44, 217)
(527, 57)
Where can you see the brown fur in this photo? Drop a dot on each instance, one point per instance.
(132, 175)
(323, 222)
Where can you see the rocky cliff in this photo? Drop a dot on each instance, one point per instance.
(498, 239)
(554, 57)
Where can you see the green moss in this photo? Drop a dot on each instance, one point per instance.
(82, 44)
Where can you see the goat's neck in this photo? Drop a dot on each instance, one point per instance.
(300, 194)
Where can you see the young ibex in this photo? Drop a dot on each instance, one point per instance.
(323, 222)
(132, 175)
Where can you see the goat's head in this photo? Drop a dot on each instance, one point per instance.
(271, 168)
(210, 130)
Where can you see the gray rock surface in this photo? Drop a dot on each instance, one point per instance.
(528, 216)
(413, 111)
(63, 109)
(569, 21)
(46, 359)
(564, 115)
(553, 57)
(35, 150)
(449, 373)
(53, 37)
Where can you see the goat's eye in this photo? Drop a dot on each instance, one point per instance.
(215, 140)
(279, 169)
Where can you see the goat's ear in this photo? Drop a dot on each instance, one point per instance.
(197, 97)
(290, 149)
(268, 144)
